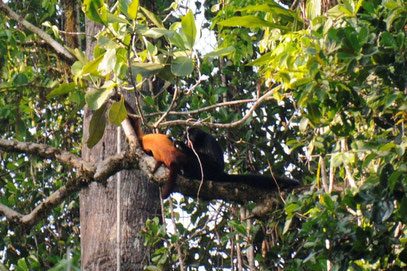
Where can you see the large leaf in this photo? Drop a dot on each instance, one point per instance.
(250, 21)
(132, 9)
(108, 62)
(124, 6)
(152, 17)
(189, 28)
(274, 9)
(117, 112)
(95, 10)
(92, 67)
(146, 69)
(156, 33)
(221, 52)
(63, 89)
(95, 98)
(182, 66)
(97, 126)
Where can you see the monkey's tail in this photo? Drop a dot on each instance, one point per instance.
(260, 181)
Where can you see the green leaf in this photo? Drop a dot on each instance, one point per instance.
(330, 205)
(113, 18)
(124, 6)
(152, 17)
(95, 10)
(189, 27)
(250, 21)
(337, 159)
(132, 9)
(221, 52)
(264, 59)
(97, 126)
(177, 41)
(20, 79)
(182, 66)
(287, 225)
(92, 67)
(95, 98)
(387, 41)
(22, 264)
(240, 228)
(146, 69)
(117, 112)
(156, 33)
(64, 88)
(108, 62)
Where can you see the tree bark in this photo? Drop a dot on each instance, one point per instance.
(137, 199)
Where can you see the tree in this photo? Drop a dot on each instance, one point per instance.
(325, 101)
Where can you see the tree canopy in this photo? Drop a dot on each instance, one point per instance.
(313, 91)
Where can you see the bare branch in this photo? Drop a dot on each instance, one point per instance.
(53, 43)
(203, 109)
(227, 125)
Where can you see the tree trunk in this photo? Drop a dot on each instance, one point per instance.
(103, 247)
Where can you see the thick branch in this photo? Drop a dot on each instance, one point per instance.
(53, 43)
(86, 172)
(45, 151)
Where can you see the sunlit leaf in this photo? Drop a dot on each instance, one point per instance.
(92, 67)
(152, 17)
(95, 98)
(108, 62)
(64, 88)
(117, 112)
(250, 21)
(189, 27)
(221, 52)
(133, 9)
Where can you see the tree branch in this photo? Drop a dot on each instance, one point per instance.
(53, 43)
(227, 125)
(86, 172)
(46, 151)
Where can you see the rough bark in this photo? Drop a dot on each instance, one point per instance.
(70, 9)
(139, 200)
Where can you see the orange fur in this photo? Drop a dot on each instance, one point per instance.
(163, 151)
(162, 148)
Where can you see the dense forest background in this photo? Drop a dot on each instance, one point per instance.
(313, 90)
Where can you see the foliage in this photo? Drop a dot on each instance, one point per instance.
(336, 121)
(28, 73)
(343, 73)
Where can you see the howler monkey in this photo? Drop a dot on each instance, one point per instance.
(186, 162)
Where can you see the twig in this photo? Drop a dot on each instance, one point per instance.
(278, 187)
(140, 112)
(177, 244)
(174, 98)
(200, 165)
(324, 174)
